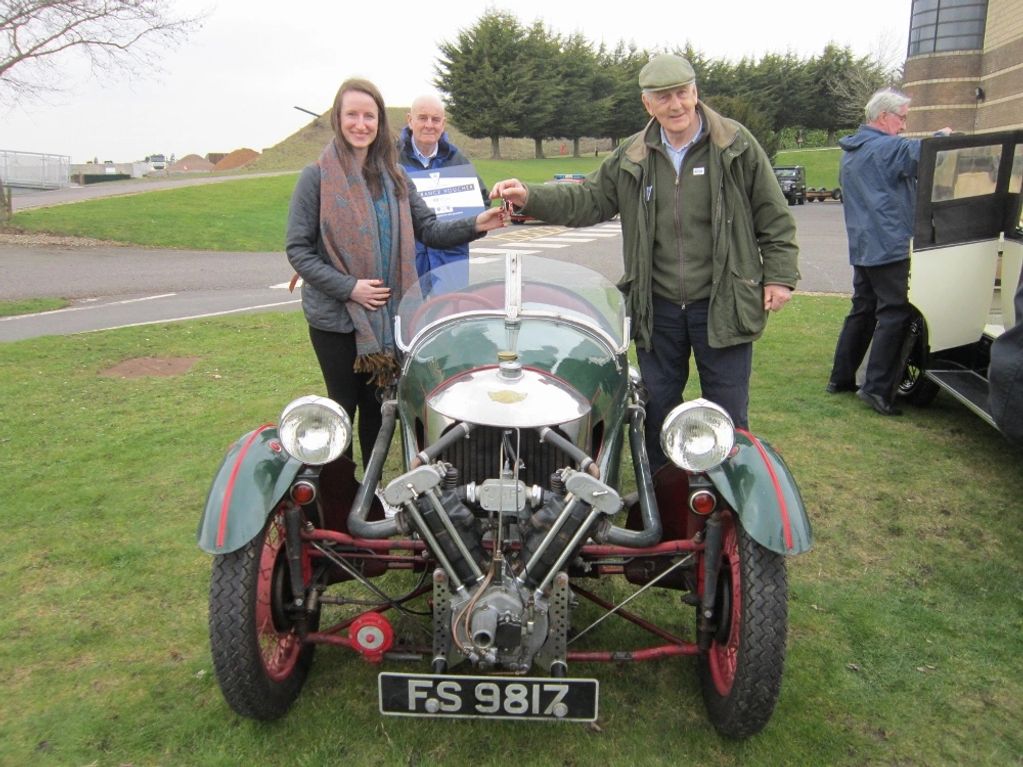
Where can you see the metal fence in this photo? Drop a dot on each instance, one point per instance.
(32, 170)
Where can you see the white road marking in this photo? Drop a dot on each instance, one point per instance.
(538, 244)
(82, 308)
(502, 251)
(560, 242)
(547, 245)
(195, 316)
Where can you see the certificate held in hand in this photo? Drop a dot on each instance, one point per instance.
(451, 192)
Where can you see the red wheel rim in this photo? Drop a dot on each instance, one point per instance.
(279, 649)
(723, 657)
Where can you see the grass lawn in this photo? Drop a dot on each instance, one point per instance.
(905, 618)
(250, 214)
(247, 214)
(31, 305)
(821, 164)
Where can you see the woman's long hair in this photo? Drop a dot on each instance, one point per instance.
(382, 155)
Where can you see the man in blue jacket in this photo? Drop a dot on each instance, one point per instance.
(877, 175)
(423, 144)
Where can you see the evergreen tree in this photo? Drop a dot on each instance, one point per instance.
(479, 74)
(541, 59)
(745, 112)
(626, 114)
(585, 96)
(829, 109)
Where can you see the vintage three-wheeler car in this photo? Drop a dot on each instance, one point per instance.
(965, 265)
(506, 522)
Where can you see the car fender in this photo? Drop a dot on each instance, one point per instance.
(757, 483)
(254, 476)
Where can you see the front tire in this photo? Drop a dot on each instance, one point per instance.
(258, 656)
(740, 675)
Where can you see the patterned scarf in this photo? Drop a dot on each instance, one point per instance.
(352, 234)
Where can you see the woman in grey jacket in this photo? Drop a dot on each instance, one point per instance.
(352, 226)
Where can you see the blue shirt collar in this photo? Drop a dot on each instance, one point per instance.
(678, 155)
(424, 160)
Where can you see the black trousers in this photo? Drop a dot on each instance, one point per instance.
(724, 373)
(351, 390)
(880, 314)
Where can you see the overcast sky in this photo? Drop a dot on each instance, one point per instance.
(236, 81)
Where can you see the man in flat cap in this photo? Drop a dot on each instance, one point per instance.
(709, 245)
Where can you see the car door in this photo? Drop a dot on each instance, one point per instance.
(968, 241)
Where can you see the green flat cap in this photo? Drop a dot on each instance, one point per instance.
(666, 71)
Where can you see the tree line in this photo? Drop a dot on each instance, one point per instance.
(505, 80)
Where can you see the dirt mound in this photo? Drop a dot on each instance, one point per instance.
(237, 159)
(191, 162)
(297, 150)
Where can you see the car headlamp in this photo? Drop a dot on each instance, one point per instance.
(315, 430)
(697, 435)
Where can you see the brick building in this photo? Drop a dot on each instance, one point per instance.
(964, 65)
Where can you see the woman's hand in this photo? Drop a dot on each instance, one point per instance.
(370, 294)
(491, 218)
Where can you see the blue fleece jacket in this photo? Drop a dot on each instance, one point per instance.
(878, 179)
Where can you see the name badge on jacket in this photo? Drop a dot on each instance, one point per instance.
(699, 171)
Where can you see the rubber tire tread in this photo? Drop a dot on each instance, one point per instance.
(237, 663)
(921, 394)
(923, 390)
(747, 708)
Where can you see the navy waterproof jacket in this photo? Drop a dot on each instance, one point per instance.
(878, 180)
(447, 155)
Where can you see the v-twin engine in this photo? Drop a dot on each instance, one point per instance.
(500, 596)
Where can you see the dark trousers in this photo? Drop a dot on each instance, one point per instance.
(880, 313)
(724, 373)
(351, 390)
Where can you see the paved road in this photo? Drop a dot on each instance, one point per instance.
(114, 287)
(23, 199)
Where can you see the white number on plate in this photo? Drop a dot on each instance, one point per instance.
(516, 698)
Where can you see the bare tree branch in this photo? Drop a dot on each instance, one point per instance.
(36, 36)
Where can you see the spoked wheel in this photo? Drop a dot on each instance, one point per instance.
(915, 388)
(258, 656)
(740, 676)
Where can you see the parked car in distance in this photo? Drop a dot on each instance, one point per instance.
(792, 179)
(815, 194)
(966, 260)
(559, 178)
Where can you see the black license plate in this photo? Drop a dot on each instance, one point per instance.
(494, 697)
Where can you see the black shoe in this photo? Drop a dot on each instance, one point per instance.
(879, 405)
(834, 387)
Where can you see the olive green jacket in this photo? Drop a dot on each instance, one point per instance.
(754, 234)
